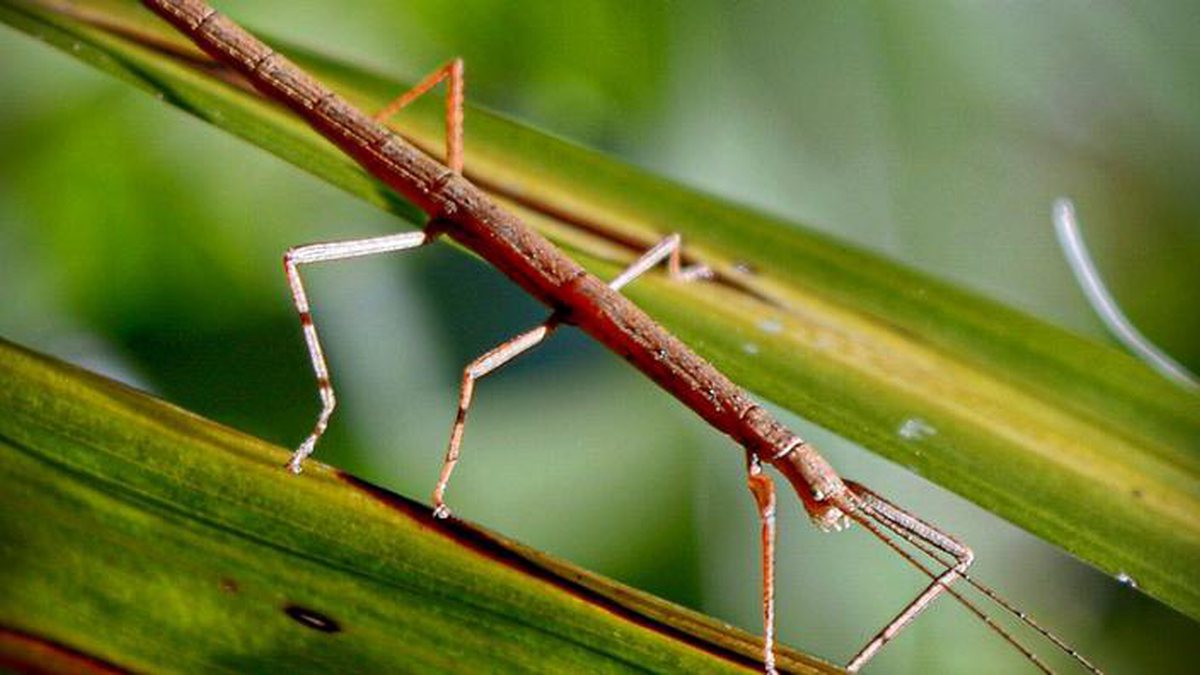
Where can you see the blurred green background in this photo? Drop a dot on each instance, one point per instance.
(145, 245)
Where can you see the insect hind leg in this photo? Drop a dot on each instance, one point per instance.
(453, 72)
(326, 252)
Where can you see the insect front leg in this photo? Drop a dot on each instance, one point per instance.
(763, 489)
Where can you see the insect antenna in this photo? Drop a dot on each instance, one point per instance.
(1029, 621)
(865, 521)
(894, 520)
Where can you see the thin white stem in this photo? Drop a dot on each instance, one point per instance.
(1076, 253)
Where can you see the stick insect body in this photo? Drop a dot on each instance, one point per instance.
(464, 213)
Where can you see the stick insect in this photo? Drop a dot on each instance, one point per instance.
(459, 210)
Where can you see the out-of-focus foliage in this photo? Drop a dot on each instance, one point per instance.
(938, 134)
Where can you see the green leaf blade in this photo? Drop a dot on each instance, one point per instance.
(1072, 440)
(198, 551)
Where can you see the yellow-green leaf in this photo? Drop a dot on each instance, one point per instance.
(143, 538)
(1074, 441)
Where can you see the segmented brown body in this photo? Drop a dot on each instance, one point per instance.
(472, 218)
(463, 212)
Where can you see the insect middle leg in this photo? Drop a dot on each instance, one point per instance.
(669, 248)
(490, 362)
(501, 355)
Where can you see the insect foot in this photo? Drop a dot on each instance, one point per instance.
(302, 453)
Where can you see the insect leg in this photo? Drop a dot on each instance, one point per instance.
(453, 71)
(763, 489)
(322, 252)
(871, 511)
(488, 363)
(667, 248)
(938, 546)
(501, 355)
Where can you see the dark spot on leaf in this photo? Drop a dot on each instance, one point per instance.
(1136, 493)
(311, 618)
(229, 586)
